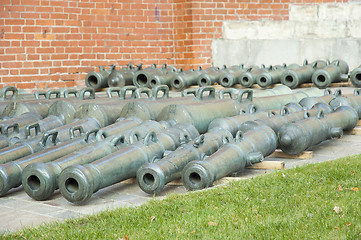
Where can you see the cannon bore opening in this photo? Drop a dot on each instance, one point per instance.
(33, 182)
(148, 179)
(321, 78)
(289, 79)
(263, 80)
(194, 178)
(245, 80)
(142, 79)
(93, 81)
(358, 76)
(176, 83)
(203, 81)
(71, 185)
(153, 83)
(225, 81)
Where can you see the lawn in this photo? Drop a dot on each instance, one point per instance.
(317, 201)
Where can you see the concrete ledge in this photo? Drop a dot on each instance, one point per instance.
(278, 51)
(338, 11)
(266, 29)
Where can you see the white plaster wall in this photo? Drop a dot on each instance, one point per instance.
(324, 31)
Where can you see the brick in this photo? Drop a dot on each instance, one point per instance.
(46, 9)
(14, 22)
(16, 50)
(45, 50)
(8, 58)
(29, 85)
(100, 11)
(30, 43)
(60, 29)
(14, 71)
(45, 22)
(43, 64)
(73, 50)
(59, 15)
(11, 79)
(44, 36)
(14, 36)
(4, 43)
(33, 57)
(30, 71)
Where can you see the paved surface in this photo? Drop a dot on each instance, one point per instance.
(18, 210)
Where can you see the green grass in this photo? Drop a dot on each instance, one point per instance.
(289, 204)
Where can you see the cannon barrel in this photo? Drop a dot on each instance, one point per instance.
(11, 172)
(152, 177)
(12, 125)
(143, 77)
(248, 78)
(335, 72)
(185, 79)
(54, 136)
(78, 183)
(47, 173)
(98, 80)
(210, 76)
(276, 102)
(295, 77)
(31, 130)
(231, 78)
(355, 77)
(165, 79)
(273, 76)
(123, 77)
(350, 101)
(232, 124)
(252, 144)
(296, 137)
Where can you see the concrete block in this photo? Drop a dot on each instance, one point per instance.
(329, 12)
(263, 29)
(321, 12)
(229, 52)
(278, 51)
(355, 10)
(354, 28)
(320, 29)
(347, 50)
(303, 12)
(314, 49)
(274, 52)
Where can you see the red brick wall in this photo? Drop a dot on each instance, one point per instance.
(54, 43)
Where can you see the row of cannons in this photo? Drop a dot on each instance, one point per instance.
(320, 73)
(82, 144)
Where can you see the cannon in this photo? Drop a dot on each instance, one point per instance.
(143, 77)
(49, 138)
(355, 77)
(210, 76)
(11, 172)
(123, 77)
(295, 138)
(335, 72)
(185, 79)
(152, 177)
(79, 182)
(98, 80)
(47, 173)
(31, 130)
(252, 143)
(273, 75)
(248, 78)
(295, 77)
(231, 78)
